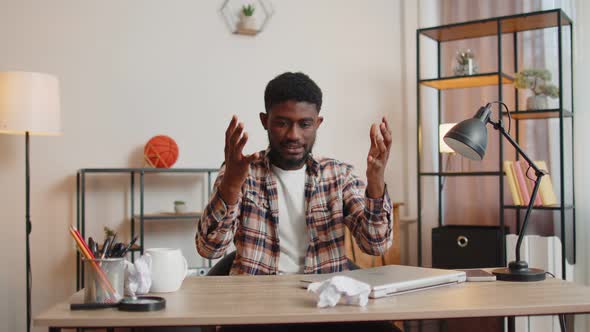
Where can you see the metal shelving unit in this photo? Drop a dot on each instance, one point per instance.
(498, 27)
(134, 175)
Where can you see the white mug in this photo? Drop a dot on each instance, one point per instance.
(169, 268)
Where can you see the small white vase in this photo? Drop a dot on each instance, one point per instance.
(247, 22)
(538, 102)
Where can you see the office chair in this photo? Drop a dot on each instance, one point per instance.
(223, 266)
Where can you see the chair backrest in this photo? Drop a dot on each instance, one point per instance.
(223, 266)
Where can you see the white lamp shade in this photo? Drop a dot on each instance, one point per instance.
(442, 131)
(29, 102)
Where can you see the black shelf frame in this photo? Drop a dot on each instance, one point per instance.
(539, 114)
(504, 25)
(141, 217)
(443, 174)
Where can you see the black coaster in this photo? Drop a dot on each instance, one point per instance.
(142, 303)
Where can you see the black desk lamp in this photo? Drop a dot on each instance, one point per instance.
(469, 138)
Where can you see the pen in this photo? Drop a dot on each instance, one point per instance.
(128, 247)
(116, 249)
(111, 246)
(91, 245)
(105, 247)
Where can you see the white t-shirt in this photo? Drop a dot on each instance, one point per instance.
(292, 226)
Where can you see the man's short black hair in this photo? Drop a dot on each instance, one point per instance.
(292, 86)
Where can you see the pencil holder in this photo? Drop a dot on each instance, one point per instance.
(104, 280)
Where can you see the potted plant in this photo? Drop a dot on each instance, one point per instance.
(537, 81)
(180, 207)
(247, 21)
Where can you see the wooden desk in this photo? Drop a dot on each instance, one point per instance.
(279, 299)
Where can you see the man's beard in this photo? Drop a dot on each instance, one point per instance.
(289, 163)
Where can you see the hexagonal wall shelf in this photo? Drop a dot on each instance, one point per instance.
(240, 24)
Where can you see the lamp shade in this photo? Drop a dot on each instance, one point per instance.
(443, 129)
(29, 102)
(468, 138)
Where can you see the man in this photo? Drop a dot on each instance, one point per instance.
(284, 209)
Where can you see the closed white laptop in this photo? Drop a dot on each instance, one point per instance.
(395, 279)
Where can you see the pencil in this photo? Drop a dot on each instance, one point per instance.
(104, 282)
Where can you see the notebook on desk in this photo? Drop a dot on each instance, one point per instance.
(395, 279)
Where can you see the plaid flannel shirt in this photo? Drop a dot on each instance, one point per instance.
(334, 198)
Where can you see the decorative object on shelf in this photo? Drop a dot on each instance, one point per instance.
(246, 17)
(180, 207)
(469, 138)
(465, 63)
(537, 81)
(161, 152)
(29, 105)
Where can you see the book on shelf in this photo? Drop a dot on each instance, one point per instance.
(512, 183)
(529, 178)
(521, 186)
(546, 187)
(521, 183)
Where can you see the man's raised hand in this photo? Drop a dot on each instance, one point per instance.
(377, 159)
(237, 164)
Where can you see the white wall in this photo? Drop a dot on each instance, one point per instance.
(582, 135)
(133, 69)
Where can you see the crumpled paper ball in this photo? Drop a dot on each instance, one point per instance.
(340, 289)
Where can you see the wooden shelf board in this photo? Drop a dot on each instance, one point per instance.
(489, 27)
(170, 215)
(461, 82)
(538, 114)
(247, 32)
(521, 207)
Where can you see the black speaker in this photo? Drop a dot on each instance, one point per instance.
(464, 247)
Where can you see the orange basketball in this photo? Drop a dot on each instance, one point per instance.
(161, 151)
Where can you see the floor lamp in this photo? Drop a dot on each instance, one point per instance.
(29, 105)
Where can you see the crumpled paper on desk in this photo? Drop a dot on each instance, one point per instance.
(340, 289)
(138, 276)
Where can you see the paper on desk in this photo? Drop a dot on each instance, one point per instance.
(340, 289)
(138, 277)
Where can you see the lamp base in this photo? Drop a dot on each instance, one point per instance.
(519, 271)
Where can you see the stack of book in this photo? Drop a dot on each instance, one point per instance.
(521, 183)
